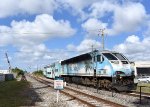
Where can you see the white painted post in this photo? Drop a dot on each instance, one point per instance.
(64, 84)
(57, 95)
(58, 85)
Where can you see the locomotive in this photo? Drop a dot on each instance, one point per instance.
(102, 69)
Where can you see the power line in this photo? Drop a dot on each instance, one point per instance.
(34, 33)
(53, 51)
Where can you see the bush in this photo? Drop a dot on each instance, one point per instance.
(38, 73)
(18, 71)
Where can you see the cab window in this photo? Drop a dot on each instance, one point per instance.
(100, 58)
(110, 56)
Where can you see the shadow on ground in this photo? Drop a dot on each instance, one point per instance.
(19, 93)
(144, 102)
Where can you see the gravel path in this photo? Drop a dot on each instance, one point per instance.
(46, 97)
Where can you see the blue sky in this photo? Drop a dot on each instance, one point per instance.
(38, 32)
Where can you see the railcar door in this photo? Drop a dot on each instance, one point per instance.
(103, 66)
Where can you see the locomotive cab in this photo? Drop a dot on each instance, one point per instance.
(116, 69)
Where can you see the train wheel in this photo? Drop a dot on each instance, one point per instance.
(66, 79)
(119, 82)
(88, 82)
(125, 82)
(101, 83)
(107, 84)
(83, 81)
(94, 82)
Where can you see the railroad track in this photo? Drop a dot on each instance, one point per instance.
(90, 99)
(82, 96)
(137, 94)
(131, 93)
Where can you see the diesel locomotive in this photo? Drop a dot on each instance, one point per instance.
(102, 69)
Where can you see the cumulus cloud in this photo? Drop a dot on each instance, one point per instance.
(15, 7)
(129, 18)
(77, 7)
(85, 46)
(126, 17)
(101, 8)
(135, 48)
(33, 53)
(43, 27)
(5, 38)
(92, 26)
(28, 37)
(37, 56)
(147, 32)
(26, 57)
(116, 17)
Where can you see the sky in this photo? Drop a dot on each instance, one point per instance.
(35, 33)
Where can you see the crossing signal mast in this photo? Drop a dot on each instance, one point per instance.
(102, 34)
(8, 62)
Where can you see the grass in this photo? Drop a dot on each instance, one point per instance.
(12, 93)
(145, 89)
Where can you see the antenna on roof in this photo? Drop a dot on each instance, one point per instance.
(102, 34)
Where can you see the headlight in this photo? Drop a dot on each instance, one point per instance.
(115, 62)
(132, 63)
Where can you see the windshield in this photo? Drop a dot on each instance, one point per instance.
(119, 56)
(109, 56)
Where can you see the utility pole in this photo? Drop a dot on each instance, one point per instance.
(102, 34)
(8, 62)
(37, 67)
(93, 60)
(94, 68)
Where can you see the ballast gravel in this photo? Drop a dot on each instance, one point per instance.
(128, 101)
(46, 96)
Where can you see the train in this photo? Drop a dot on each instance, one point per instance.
(102, 69)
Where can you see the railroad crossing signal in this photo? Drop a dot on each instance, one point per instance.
(8, 62)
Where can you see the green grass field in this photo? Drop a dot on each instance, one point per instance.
(12, 93)
(145, 89)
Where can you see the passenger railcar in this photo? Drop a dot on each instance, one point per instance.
(104, 69)
(53, 70)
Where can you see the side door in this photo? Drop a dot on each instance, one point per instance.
(99, 65)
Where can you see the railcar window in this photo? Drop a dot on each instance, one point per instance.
(109, 56)
(119, 56)
(48, 72)
(98, 58)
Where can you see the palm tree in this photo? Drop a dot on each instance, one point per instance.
(87, 65)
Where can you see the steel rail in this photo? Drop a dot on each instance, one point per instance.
(90, 104)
